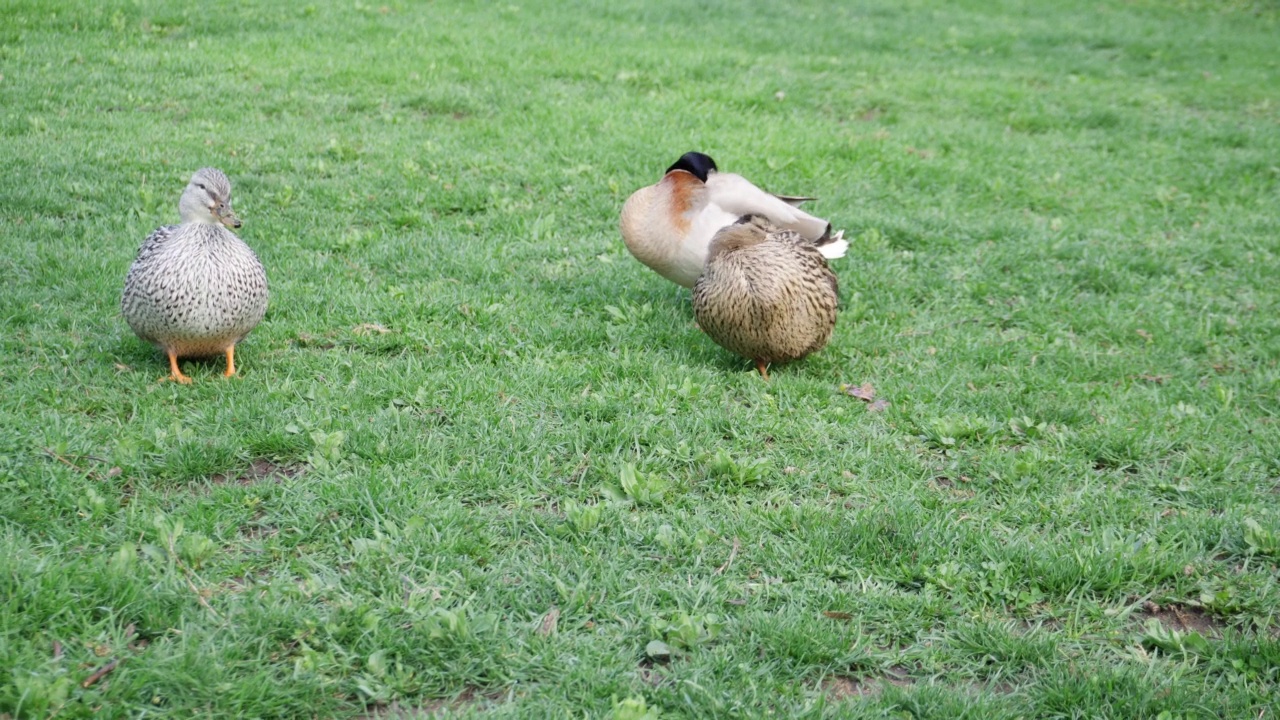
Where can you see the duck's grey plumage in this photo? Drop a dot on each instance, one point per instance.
(196, 289)
(765, 293)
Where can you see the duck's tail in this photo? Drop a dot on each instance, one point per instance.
(832, 246)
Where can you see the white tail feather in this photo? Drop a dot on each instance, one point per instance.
(835, 248)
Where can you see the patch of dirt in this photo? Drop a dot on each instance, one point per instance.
(259, 532)
(988, 688)
(948, 486)
(652, 677)
(259, 470)
(244, 582)
(1048, 624)
(1181, 618)
(469, 698)
(839, 688)
(898, 675)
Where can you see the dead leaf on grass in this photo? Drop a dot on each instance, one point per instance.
(100, 673)
(878, 406)
(837, 615)
(1157, 379)
(1144, 335)
(550, 622)
(864, 392)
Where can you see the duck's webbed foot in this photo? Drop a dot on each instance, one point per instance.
(175, 374)
(763, 367)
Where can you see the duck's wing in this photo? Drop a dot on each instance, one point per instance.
(135, 285)
(157, 238)
(153, 243)
(738, 196)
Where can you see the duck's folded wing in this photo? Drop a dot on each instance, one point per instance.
(737, 196)
(155, 240)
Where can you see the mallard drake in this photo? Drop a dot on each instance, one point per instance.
(668, 226)
(766, 293)
(196, 289)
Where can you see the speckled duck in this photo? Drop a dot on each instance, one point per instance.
(765, 293)
(195, 289)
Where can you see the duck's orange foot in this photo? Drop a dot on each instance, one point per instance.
(174, 373)
(763, 367)
(231, 361)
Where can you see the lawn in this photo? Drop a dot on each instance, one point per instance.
(480, 461)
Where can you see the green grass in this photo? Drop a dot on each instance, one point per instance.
(468, 405)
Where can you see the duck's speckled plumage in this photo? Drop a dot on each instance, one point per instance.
(766, 293)
(668, 226)
(196, 289)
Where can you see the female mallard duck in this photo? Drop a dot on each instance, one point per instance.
(196, 289)
(766, 293)
(669, 226)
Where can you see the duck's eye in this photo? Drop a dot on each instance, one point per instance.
(202, 187)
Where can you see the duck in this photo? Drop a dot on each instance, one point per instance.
(196, 289)
(766, 293)
(668, 226)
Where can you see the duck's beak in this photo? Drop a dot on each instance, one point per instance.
(227, 216)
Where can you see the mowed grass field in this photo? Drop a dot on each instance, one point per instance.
(478, 460)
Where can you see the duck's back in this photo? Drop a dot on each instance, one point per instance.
(195, 289)
(774, 301)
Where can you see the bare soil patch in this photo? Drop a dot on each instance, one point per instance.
(259, 470)
(839, 688)
(1182, 618)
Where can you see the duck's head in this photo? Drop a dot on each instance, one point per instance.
(747, 231)
(696, 163)
(207, 199)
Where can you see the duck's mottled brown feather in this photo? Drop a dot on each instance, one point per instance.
(766, 293)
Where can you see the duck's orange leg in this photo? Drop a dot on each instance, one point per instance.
(231, 361)
(763, 367)
(174, 373)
